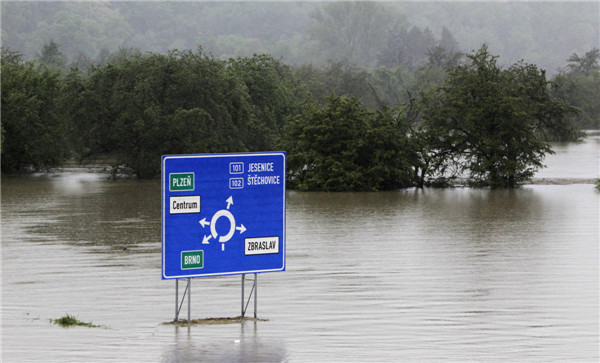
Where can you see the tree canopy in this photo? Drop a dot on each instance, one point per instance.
(492, 119)
(33, 133)
(579, 86)
(344, 127)
(345, 146)
(181, 102)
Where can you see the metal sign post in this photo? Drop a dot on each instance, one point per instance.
(188, 292)
(223, 214)
(254, 292)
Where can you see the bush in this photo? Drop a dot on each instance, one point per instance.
(346, 147)
(33, 131)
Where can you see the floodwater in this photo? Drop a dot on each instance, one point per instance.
(416, 275)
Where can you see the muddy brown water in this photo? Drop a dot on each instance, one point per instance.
(456, 274)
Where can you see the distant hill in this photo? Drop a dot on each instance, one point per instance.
(543, 33)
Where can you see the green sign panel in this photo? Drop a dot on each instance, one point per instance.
(192, 259)
(179, 182)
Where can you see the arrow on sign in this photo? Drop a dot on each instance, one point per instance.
(206, 239)
(241, 228)
(204, 223)
(229, 201)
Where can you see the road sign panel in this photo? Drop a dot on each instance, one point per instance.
(223, 214)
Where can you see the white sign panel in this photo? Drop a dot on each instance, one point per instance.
(261, 246)
(182, 205)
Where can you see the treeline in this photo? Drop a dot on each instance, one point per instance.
(366, 34)
(344, 128)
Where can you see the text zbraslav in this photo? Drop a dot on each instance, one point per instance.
(264, 245)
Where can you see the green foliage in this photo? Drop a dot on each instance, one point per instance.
(340, 79)
(51, 56)
(85, 27)
(33, 131)
(442, 57)
(406, 47)
(580, 87)
(598, 185)
(158, 104)
(351, 31)
(346, 147)
(273, 93)
(478, 120)
(69, 321)
(182, 102)
(586, 64)
(391, 86)
(2, 132)
(492, 119)
(435, 164)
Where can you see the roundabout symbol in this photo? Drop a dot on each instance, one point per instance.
(213, 229)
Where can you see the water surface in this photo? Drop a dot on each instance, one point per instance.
(415, 275)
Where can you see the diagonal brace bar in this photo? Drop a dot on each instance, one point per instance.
(252, 291)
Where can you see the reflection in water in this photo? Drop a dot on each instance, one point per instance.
(74, 184)
(245, 346)
(455, 274)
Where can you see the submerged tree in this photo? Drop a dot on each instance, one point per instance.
(33, 131)
(492, 119)
(345, 146)
(143, 106)
(181, 102)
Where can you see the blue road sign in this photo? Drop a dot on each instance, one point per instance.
(223, 214)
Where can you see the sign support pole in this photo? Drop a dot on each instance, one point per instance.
(189, 301)
(176, 299)
(243, 283)
(188, 291)
(255, 293)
